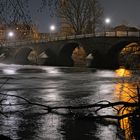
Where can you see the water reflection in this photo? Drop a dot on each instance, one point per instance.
(52, 70)
(10, 124)
(79, 129)
(123, 72)
(56, 86)
(9, 71)
(125, 91)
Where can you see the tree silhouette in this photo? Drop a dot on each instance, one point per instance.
(80, 15)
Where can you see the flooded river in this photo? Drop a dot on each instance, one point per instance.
(55, 86)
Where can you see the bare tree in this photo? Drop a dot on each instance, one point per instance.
(95, 17)
(81, 16)
(14, 11)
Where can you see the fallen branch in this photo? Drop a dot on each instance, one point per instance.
(108, 116)
(26, 100)
(100, 105)
(126, 104)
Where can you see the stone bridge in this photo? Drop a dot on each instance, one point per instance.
(58, 51)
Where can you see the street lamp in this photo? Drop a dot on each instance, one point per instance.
(10, 34)
(107, 22)
(52, 29)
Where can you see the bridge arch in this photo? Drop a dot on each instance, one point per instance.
(65, 54)
(114, 52)
(21, 56)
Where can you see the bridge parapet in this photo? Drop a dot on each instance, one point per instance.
(98, 34)
(21, 43)
(104, 46)
(72, 37)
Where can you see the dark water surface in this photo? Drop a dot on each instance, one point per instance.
(56, 86)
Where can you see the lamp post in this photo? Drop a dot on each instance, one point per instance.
(107, 22)
(52, 29)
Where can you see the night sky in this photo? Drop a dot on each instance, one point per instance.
(119, 11)
(122, 11)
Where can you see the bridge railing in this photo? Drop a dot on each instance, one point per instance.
(20, 42)
(123, 34)
(98, 34)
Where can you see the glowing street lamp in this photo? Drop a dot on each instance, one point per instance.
(52, 29)
(107, 22)
(11, 34)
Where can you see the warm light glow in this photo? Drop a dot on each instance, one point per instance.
(107, 20)
(126, 92)
(52, 27)
(11, 34)
(123, 73)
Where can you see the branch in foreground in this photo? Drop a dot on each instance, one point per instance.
(108, 116)
(100, 105)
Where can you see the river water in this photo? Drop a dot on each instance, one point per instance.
(55, 86)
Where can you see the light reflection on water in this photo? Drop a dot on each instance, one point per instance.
(58, 86)
(126, 92)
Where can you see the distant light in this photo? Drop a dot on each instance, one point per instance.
(52, 27)
(107, 20)
(11, 34)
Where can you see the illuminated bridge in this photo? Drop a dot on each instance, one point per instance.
(57, 51)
